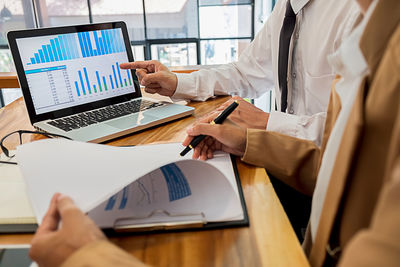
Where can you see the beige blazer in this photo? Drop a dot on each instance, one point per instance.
(361, 213)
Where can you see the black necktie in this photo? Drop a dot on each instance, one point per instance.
(284, 42)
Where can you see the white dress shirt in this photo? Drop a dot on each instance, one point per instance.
(320, 27)
(351, 65)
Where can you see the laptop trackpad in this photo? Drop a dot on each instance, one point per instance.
(132, 120)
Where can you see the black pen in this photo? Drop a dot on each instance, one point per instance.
(218, 120)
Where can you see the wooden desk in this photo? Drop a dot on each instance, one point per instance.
(269, 241)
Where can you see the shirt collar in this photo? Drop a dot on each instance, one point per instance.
(348, 61)
(298, 5)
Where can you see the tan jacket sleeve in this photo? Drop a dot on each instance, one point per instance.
(379, 245)
(292, 160)
(101, 253)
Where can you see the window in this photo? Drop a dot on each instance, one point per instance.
(61, 12)
(162, 27)
(176, 32)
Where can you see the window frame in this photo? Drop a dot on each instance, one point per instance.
(147, 43)
(38, 21)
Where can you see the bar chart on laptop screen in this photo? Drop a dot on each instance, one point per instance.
(75, 68)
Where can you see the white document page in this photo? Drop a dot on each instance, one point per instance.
(91, 174)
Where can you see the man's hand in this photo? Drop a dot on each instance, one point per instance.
(53, 242)
(227, 137)
(154, 76)
(230, 136)
(246, 115)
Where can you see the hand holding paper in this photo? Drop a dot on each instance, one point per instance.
(121, 186)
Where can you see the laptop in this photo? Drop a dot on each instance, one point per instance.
(73, 86)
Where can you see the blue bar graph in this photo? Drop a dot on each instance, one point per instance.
(81, 44)
(111, 81)
(80, 78)
(58, 48)
(105, 45)
(63, 49)
(102, 49)
(108, 41)
(115, 76)
(41, 56)
(77, 88)
(87, 80)
(53, 47)
(49, 50)
(106, 32)
(96, 40)
(86, 45)
(105, 84)
(46, 55)
(65, 46)
(119, 74)
(73, 44)
(129, 76)
(98, 80)
(89, 44)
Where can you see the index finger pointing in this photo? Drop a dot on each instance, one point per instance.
(137, 65)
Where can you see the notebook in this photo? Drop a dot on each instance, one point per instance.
(73, 86)
(141, 188)
(16, 213)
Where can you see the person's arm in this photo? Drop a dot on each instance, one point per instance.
(292, 160)
(379, 244)
(250, 77)
(68, 237)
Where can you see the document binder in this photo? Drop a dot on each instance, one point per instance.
(184, 222)
(136, 189)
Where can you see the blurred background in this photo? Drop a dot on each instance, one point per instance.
(175, 32)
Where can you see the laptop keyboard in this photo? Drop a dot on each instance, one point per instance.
(99, 115)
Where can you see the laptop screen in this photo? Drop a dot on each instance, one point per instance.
(72, 69)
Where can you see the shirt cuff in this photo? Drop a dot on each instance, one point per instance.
(283, 123)
(186, 87)
(302, 127)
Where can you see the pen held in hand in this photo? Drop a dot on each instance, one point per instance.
(219, 120)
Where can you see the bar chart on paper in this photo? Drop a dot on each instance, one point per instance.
(71, 69)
